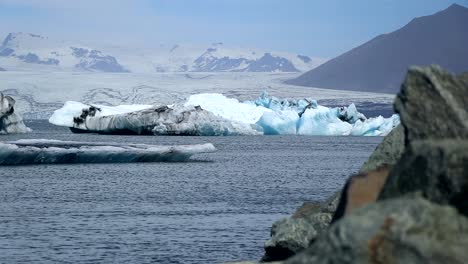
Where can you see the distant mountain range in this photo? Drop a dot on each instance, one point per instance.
(25, 51)
(380, 64)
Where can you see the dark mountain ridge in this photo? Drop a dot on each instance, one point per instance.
(380, 64)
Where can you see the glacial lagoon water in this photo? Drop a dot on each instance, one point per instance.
(217, 208)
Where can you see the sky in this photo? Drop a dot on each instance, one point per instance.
(318, 28)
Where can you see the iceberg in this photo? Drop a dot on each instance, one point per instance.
(10, 121)
(152, 120)
(307, 117)
(216, 115)
(43, 151)
(228, 108)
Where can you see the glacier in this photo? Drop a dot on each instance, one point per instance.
(10, 121)
(212, 114)
(45, 151)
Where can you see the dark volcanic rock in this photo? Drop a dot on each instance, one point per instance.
(388, 152)
(436, 169)
(380, 64)
(433, 104)
(394, 231)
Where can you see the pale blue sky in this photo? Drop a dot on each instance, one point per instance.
(322, 28)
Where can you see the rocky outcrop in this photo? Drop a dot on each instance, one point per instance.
(393, 231)
(433, 104)
(408, 204)
(436, 169)
(292, 235)
(10, 121)
(435, 163)
(388, 152)
(288, 237)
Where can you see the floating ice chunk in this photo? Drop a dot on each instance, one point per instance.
(10, 121)
(162, 120)
(323, 121)
(279, 123)
(42, 151)
(350, 114)
(276, 104)
(65, 116)
(228, 108)
(377, 126)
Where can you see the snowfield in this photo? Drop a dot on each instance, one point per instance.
(26, 51)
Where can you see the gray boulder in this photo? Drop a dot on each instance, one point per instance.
(292, 235)
(436, 169)
(388, 152)
(288, 236)
(433, 104)
(394, 231)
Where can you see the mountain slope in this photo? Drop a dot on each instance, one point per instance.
(380, 64)
(24, 51)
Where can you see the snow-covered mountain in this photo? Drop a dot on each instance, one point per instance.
(25, 51)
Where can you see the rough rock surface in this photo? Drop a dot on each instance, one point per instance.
(360, 190)
(394, 231)
(433, 104)
(464, 77)
(436, 169)
(10, 121)
(288, 237)
(388, 152)
(292, 235)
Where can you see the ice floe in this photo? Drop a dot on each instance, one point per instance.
(44, 151)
